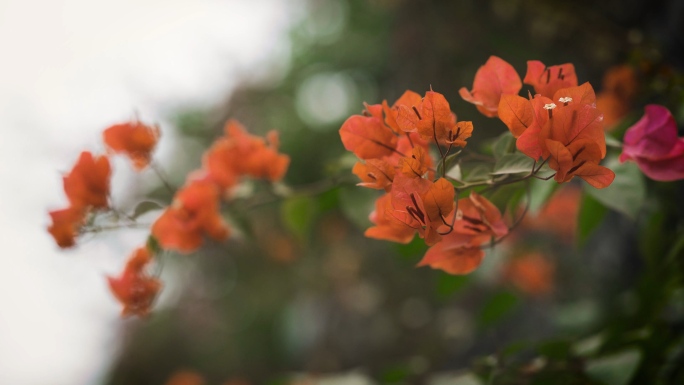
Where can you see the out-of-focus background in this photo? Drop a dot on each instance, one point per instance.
(299, 289)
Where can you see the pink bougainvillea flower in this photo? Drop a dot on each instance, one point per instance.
(494, 79)
(135, 139)
(134, 288)
(653, 144)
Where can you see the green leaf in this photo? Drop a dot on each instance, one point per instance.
(298, 215)
(627, 192)
(612, 142)
(498, 306)
(145, 207)
(540, 192)
(590, 217)
(475, 172)
(449, 161)
(616, 369)
(357, 203)
(588, 346)
(513, 164)
(504, 144)
(153, 245)
(448, 285)
(555, 349)
(455, 172)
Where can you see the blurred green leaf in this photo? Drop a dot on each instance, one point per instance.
(612, 142)
(145, 207)
(588, 346)
(590, 217)
(627, 192)
(616, 369)
(475, 172)
(449, 161)
(513, 164)
(153, 245)
(540, 191)
(498, 306)
(395, 374)
(357, 203)
(455, 172)
(504, 144)
(448, 285)
(555, 349)
(298, 215)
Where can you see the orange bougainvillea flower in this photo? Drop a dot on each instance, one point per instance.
(375, 173)
(547, 80)
(409, 99)
(185, 377)
(65, 225)
(135, 139)
(494, 79)
(387, 226)
(566, 130)
(618, 90)
(368, 137)
(433, 120)
(240, 154)
(134, 288)
(193, 214)
(422, 205)
(460, 251)
(530, 273)
(88, 182)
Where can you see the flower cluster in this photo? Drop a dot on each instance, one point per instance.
(559, 126)
(87, 185)
(193, 214)
(393, 145)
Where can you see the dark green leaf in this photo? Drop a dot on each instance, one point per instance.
(555, 349)
(498, 306)
(590, 217)
(448, 285)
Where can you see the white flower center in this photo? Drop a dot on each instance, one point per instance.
(549, 106)
(566, 99)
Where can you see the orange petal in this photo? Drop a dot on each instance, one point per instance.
(516, 112)
(367, 137)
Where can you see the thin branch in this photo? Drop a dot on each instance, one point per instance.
(162, 176)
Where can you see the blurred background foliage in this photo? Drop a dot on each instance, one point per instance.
(588, 289)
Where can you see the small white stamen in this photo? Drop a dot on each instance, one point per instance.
(566, 99)
(549, 106)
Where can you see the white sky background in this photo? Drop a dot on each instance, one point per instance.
(69, 69)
